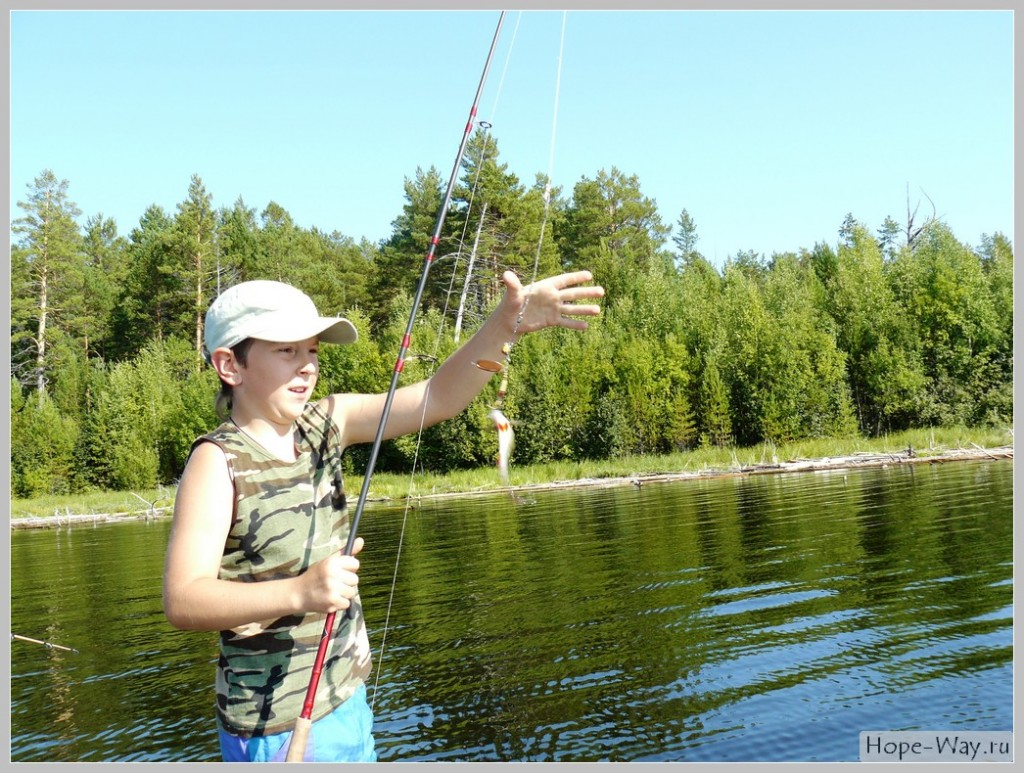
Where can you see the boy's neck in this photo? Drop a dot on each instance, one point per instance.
(278, 441)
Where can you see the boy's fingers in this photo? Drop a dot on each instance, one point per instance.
(511, 281)
(572, 278)
(578, 293)
(348, 564)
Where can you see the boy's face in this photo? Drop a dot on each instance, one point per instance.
(278, 379)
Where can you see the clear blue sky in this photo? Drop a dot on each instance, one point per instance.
(768, 127)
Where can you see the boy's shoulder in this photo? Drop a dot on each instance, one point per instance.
(226, 433)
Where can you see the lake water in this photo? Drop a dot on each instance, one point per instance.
(760, 618)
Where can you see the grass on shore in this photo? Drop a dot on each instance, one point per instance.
(93, 502)
(393, 486)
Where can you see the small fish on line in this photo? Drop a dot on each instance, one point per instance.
(506, 441)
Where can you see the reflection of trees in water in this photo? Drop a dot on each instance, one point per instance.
(662, 621)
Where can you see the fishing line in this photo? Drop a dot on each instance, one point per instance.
(485, 125)
(504, 70)
(303, 724)
(506, 435)
(551, 155)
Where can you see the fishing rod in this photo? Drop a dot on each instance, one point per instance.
(300, 734)
(48, 644)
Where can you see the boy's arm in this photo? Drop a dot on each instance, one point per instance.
(549, 302)
(195, 599)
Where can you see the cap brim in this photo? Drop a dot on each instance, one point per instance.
(330, 330)
(340, 332)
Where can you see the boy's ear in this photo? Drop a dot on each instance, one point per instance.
(224, 362)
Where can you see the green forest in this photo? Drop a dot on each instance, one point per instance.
(893, 328)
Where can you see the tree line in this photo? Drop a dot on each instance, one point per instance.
(905, 327)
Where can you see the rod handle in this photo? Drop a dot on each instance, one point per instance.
(297, 743)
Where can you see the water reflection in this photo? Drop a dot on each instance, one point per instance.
(755, 618)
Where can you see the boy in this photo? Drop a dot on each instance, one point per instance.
(260, 516)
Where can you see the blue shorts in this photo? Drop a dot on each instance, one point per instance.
(344, 735)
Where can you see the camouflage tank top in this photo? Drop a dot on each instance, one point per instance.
(287, 516)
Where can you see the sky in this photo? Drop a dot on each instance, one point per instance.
(767, 127)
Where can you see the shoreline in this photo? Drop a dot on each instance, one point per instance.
(854, 461)
(860, 460)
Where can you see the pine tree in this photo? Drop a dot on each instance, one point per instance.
(194, 231)
(52, 254)
(686, 239)
(400, 261)
(611, 228)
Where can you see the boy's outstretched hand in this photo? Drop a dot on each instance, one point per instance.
(552, 302)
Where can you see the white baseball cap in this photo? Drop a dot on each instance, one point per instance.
(270, 311)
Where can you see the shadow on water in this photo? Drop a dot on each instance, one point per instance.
(765, 618)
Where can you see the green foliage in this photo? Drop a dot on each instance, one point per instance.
(512, 217)
(714, 404)
(238, 239)
(147, 301)
(23, 322)
(785, 373)
(644, 405)
(612, 229)
(103, 274)
(400, 261)
(884, 369)
(645, 401)
(454, 443)
(187, 419)
(362, 367)
(131, 441)
(43, 446)
(944, 289)
(810, 397)
(540, 405)
(871, 335)
(996, 384)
